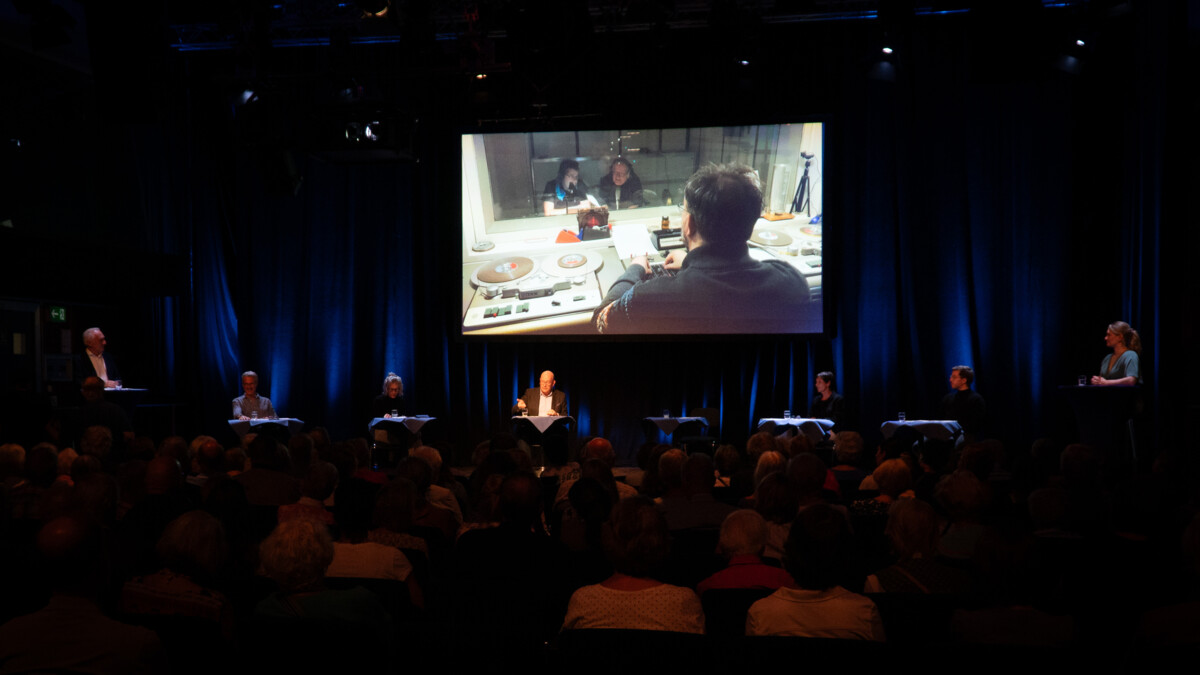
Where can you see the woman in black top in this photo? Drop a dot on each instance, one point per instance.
(828, 404)
(392, 398)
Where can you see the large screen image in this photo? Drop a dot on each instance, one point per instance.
(553, 222)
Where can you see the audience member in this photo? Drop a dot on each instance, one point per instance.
(817, 556)
(637, 541)
(743, 539)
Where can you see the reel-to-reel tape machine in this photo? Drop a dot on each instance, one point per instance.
(515, 288)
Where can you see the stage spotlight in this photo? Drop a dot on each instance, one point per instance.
(481, 76)
(247, 96)
(887, 50)
(1079, 43)
(744, 62)
(358, 132)
(373, 7)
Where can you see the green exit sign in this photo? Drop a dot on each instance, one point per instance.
(58, 314)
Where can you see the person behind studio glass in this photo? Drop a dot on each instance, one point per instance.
(621, 188)
(566, 193)
(964, 405)
(827, 404)
(96, 361)
(250, 404)
(1123, 366)
(719, 287)
(390, 403)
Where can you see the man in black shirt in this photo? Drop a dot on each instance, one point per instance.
(963, 405)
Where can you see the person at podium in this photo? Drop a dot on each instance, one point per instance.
(827, 404)
(96, 361)
(250, 404)
(390, 403)
(963, 405)
(1123, 366)
(543, 400)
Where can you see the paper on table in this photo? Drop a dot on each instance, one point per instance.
(632, 240)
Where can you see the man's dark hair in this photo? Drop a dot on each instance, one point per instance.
(827, 376)
(724, 200)
(965, 373)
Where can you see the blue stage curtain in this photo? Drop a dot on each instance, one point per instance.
(313, 291)
(999, 222)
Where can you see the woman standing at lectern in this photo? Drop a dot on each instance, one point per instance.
(1123, 366)
(391, 402)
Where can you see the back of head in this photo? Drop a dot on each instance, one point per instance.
(12, 460)
(300, 449)
(818, 549)
(601, 449)
(636, 539)
(70, 555)
(670, 468)
(1080, 466)
(727, 460)
(418, 471)
(178, 448)
(65, 459)
(981, 458)
(798, 445)
(777, 499)
(84, 466)
(744, 532)
(698, 474)
(296, 555)
(430, 456)
(912, 527)
(395, 505)
(768, 462)
(725, 201)
(96, 440)
(600, 472)
(41, 464)
(163, 476)
(319, 481)
(848, 447)
(521, 499)
(592, 501)
(759, 443)
(210, 457)
(265, 453)
(962, 495)
(92, 388)
(194, 545)
(893, 477)
(503, 441)
(97, 495)
(807, 472)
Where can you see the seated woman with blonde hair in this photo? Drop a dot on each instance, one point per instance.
(637, 542)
